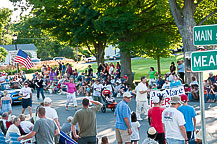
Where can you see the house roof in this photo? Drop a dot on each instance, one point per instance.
(20, 46)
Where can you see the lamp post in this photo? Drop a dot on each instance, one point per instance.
(15, 42)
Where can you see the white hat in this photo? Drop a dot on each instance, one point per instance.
(47, 100)
(211, 73)
(127, 94)
(152, 131)
(175, 100)
(156, 99)
(70, 118)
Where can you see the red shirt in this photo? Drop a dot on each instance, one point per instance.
(155, 113)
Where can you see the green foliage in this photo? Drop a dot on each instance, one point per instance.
(3, 54)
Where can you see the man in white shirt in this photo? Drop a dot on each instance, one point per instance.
(52, 114)
(26, 126)
(173, 121)
(26, 94)
(141, 98)
(13, 128)
(97, 88)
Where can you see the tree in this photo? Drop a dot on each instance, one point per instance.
(3, 54)
(187, 14)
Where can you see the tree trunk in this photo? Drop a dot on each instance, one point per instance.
(158, 65)
(185, 22)
(125, 61)
(100, 52)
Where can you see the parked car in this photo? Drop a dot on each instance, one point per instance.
(36, 61)
(89, 59)
(13, 90)
(59, 58)
(114, 57)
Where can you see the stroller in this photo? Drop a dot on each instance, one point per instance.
(108, 101)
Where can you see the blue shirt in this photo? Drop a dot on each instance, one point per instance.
(175, 83)
(181, 68)
(189, 114)
(122, 111)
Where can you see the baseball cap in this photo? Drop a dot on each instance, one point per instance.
(47, 100)
(152, 131)
(211, 73)
(127, 94)
(156, 99)
(184, 98)
(175, 100)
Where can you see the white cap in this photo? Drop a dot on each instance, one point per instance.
(152, 131)
(70, 118)
(47, 100)
(156, 99)
(211, 73)
(127, 94)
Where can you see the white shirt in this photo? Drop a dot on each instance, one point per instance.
(97, 89)
(139, 96)
(2, 79)
(170, 78)
(26, 126)
(194, 83)
(135, 131)
(26, 91)
(12, 129)
(166, 85)
(50, 113)
(172, 119)
(111, 69)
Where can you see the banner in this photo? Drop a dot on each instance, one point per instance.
(167, 94)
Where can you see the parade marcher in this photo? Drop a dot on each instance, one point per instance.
(6, 102)
(26, 94)
(123, 120)
(52, 114)
(141, 98)
(86, 119)
(45, 129)
(39, 86)
(155, 119)
(71, 93)
(190, 117)
(174, 122)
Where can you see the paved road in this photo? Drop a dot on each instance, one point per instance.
(106, 121)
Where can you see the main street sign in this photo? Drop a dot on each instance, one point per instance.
(205, 35)
(203, 61)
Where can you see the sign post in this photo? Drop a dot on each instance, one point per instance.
(203, 61)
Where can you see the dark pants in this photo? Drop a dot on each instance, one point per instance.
(160, 138)
(182, 75)
(97, 98)
(190, 135)
(87, 140)
(40, 90)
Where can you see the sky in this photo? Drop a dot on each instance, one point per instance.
(8, 4)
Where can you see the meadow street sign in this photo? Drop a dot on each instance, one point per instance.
(203, 61)
(205, 35)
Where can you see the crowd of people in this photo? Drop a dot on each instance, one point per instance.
(175, 124)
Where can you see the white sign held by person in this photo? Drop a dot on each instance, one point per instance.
(167, 94)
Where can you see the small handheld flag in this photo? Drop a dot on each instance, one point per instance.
(24, 59)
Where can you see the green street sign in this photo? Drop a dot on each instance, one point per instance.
(203, 61)
(205, 35)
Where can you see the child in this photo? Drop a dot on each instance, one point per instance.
(135, 129)
(66, 127)
(105, 140)
(6, 102)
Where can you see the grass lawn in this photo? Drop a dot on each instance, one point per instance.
(140, 66)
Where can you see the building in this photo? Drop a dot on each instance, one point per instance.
(30, 49)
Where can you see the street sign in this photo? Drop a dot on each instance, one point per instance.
(205, 35)
(203, 61)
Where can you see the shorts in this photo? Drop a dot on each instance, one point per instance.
(134, 140)
(26, 103)
(122, 135)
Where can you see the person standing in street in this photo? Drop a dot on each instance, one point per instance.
(52, 114)
(181, 70)
(174, 122)
(155, 119)
(86, 119)
(44, 129)
(190, 117)
(141, 98)
(26, 94)
(39, 87)
(71, 93)
(123, 120)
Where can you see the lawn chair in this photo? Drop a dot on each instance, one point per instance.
(13, 139)
(65, 139)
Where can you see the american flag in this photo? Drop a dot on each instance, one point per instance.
(24, 59)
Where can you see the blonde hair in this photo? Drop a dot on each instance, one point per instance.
(5, 92)
(22, 117)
